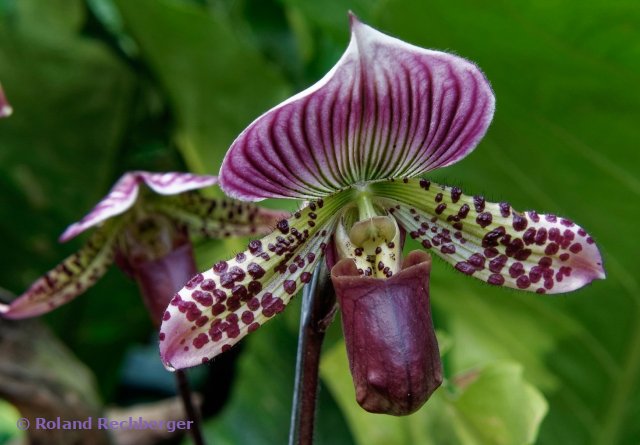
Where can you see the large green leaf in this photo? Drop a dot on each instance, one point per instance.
(563, 141)
(71, 99)
(216, 81)
(488, 406)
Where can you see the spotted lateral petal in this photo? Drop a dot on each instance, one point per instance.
(218, 307)
(218, 217)
(68, 279)
(125, 192)
(5, 108)
(387, 109)
(493, 242)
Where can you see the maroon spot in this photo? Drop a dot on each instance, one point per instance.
(253, 327)
(575, 247)
(283, 226)
(496, 264)
(208, 285)
(233, 303)
(240, 257)
(204, 298)
(305, 277)
(564, 257)
(202, 321)
(166, 315)
(255, 270)
(205, 360)
(220, 295)
(440, 208)
(240, 292)
(516, 270)
(161, 336)
(448, 249)
(438, 198)
(523, 282)
(505, 209)
(255, 246)
(426, 244)
(478, 203)
(253, 304)
(218, 309)
(490, 252)
(519, 222)
(534, 216)
(233, 331)
(194, 281)
(465, 268)
(568, 234)
(225, 348)
(582, 232)
(535, 274)
(545, 262)
(522, 255)
(484, 219)
(566, 222)
(551, 218)
(464, 211)
(541, 236)
(491, 239)
(292, 268)
(247, 317)
(425, 184)
(200, 340)
(266, 299)
(548, 284)
(477, 261)
(254, 287)
(590, 240)
(455, 194)
(289, 286)
(529, 236)
(551, 249)
(220, 267)
(496, 279)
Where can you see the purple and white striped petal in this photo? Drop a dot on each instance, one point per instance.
(68, 279)
(386, 109)
(493, 242)
(218, 217)
(5, 108)
(125, 192)
(219, 306)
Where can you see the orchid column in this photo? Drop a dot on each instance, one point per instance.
(354, 148)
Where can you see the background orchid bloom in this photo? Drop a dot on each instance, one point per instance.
(145, 230)
(350, 144)
(5, 107)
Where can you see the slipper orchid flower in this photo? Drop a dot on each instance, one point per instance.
(145, 231)
(5, 107)
(354, 147)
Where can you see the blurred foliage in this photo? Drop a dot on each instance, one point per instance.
(104, 86)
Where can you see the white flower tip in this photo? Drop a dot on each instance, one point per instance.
(6, 111)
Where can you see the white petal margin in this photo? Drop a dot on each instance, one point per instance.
(386, 109)
(493, 242)
(220, 306)
(125, 192)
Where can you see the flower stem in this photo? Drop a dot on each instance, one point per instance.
(187, 401)
(318, 310)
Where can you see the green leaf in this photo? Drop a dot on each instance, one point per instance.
(490, 406)
(216, 82)
(563, 141)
